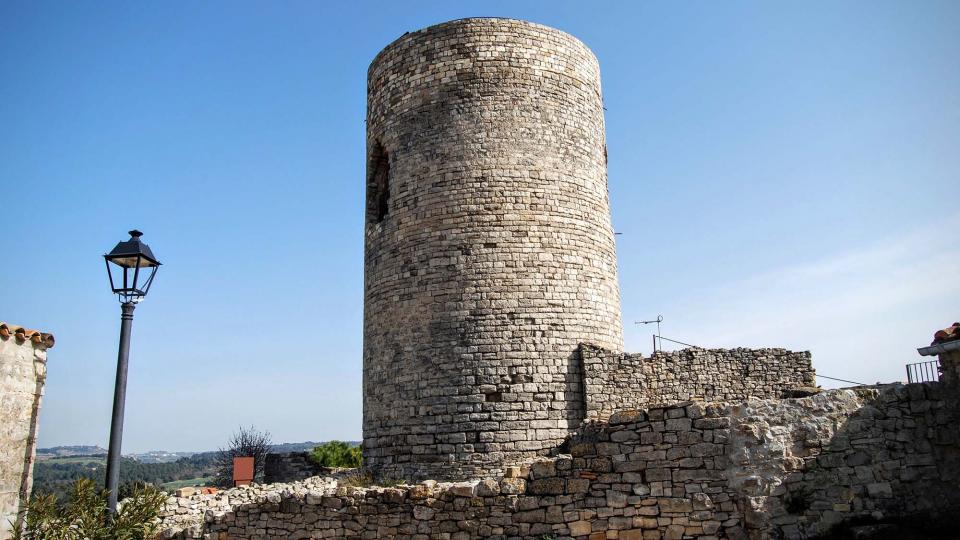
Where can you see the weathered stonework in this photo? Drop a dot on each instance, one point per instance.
(489, 249)
(289, 467)
(763, 468)
(616, 381)
(23, 370)
(950, 367)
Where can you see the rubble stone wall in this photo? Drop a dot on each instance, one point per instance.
(617, 381)
(23, 365)
(289, 467)
(758, 469)
(489, 249)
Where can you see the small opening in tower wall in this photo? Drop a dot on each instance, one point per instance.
(378, 184)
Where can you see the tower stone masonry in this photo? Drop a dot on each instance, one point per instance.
(489, 251)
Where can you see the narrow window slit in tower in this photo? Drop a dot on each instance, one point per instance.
(378, 187)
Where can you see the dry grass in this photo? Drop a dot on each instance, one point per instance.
(364, 479)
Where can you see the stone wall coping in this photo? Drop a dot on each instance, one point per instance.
(466, 21)
(694, 350)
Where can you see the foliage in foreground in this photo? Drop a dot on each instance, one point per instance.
(245, 442)
(83, 517)
(337, 454)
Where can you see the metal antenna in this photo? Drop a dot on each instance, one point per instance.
(658, 320)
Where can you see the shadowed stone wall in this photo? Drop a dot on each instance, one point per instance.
(289, 467)
(616, 381)
(869, 462)
(489, 249)
(23, 371)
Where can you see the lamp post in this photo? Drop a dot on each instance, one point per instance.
(124, 264)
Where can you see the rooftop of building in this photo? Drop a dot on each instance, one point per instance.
(21, 333)
(945, 340)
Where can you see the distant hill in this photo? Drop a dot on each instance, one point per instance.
(293, 447)
(160, 456)
(163, 456)
(70, 451)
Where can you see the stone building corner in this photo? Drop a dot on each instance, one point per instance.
(23, 372)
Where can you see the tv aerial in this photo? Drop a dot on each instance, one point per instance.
(658, 320)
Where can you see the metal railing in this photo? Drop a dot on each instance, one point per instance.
(923, 371)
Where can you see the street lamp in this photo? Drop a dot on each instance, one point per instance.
(131, 268)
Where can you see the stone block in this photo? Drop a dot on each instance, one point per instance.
(487, 488)
(420, 492)
(546, 486)
(701, 501)
(647, 522)
(616, 499)
(530, 516)
(463, 489)
(674, 532)
(624, 435)
(678, 424)
(608, 448)
(626, 417)
(657, 475)
(511, 472)
(423, 513)
(675, 505)
(880, 490)
(710, 527)
(542, 469)
(580, 528)
(578, 485)
(513, 486)
(583, 449)
(706, 449)
(711, 423)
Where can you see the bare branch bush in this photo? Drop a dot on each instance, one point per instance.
(245, 442)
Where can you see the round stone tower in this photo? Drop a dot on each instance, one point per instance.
(489, 249)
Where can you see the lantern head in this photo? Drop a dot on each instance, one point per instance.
(131, 267)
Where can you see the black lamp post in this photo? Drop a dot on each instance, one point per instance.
(131, 267)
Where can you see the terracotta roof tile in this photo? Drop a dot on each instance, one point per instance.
(22, 334)
(947, 334)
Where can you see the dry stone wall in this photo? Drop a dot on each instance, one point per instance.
(869, 460)
(23, 371)
(289, 467)
(489, 250)
(616, 381)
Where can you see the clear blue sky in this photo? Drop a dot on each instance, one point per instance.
(784, 174)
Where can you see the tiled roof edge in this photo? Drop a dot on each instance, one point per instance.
(950, 333)
(22, 334)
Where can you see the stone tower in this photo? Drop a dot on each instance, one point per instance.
(489, 249)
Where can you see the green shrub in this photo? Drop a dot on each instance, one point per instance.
(337, 454)
(83, 517)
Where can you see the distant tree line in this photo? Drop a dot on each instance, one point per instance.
(55, 477)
